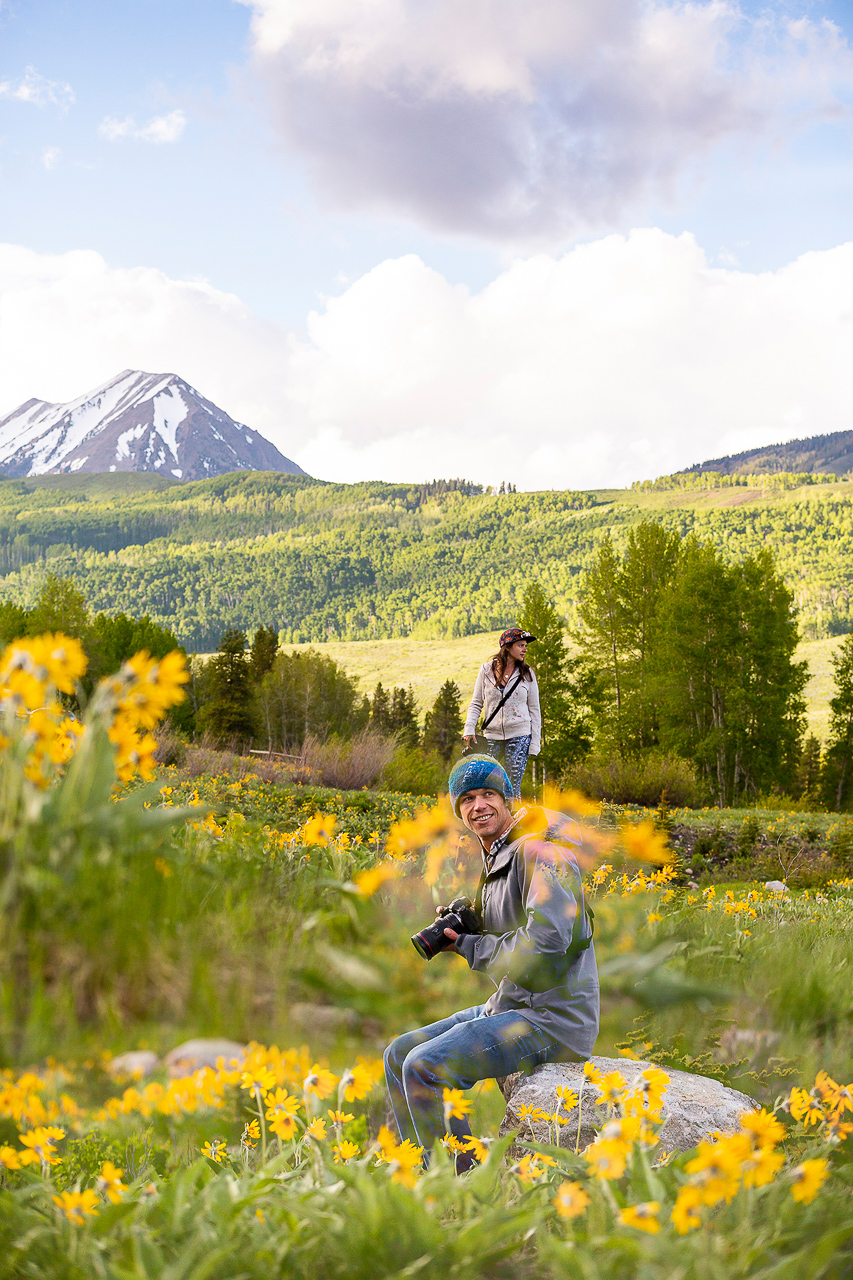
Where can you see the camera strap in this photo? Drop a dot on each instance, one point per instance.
(507, 694)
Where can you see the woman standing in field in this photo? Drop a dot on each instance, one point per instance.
(508, 695)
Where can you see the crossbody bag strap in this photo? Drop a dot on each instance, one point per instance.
(508, 693)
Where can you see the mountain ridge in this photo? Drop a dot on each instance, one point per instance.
(136, 421)
(826, 453)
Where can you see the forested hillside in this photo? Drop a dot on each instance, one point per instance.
(365, 561)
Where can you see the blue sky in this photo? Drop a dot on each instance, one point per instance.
(179, 139)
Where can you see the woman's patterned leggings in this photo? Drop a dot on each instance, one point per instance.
(512, 752)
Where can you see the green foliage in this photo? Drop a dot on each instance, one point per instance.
(416, 771)
(565, 722)
(324, 562)
(306, 694)
(837, 781)
(695, 656)
(443, 724)
(637, 779)
(113, 638)
(264, 652)
(380, 710)
(59, 606)
(403, 719)
(225, 712)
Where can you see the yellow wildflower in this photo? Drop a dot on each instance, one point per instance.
(345, 1151)
(456, 1106)
(607, 1158)
(77, 1205)
(110, 1182)
(280, 1102)
(479, 1148)
(644, 843)
(357, 1083)
(571, 1199)
(643, 1217)
(320, 1081)
(283, 1126)
(716, 1171)
(764, 1127)
(808, 1178)
(367, 882)
(685, 1212)
(340, 1117)
(530, 1168)
(317, 1129)
(10, 1158)
(214, 1150)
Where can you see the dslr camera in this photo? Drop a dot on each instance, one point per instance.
(461, 916)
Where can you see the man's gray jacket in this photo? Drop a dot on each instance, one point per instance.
(537, 940)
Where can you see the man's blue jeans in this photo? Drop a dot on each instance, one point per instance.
(454, 1054)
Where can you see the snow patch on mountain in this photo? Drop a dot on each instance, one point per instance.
(135, 422)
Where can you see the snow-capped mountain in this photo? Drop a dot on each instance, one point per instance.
(135, 422)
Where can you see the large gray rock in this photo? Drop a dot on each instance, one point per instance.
(192, 1055)
(136, 1064)
(694, 1107)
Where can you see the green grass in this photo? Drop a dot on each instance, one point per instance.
(423, 664)
(426, 664)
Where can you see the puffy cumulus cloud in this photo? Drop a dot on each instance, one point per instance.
(38, 90)
(69, 322)
(530, 121)
(168, 128)
(626, 358)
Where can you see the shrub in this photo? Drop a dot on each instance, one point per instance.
(415, 771)
(637, 780)
(348, 765)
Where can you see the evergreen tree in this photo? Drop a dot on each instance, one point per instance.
(809, 770)
(264, 653)
(226, 706)
(403, 718)
(380, 710)
(837, 780)
(443, 724)
(562, 691)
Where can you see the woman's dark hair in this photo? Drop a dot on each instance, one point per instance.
(499, 665)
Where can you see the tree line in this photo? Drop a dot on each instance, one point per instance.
(256, 693)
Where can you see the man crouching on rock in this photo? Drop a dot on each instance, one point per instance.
(535, 945)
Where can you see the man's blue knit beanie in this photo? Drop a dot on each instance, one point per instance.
(473, 772)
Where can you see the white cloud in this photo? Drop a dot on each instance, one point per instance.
(624, 358)
(41, 92)
(50, 157)
(528, 121)
(69, 322)
(166, 128)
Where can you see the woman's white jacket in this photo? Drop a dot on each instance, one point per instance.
(519, 716)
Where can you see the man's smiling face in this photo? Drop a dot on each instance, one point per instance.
(484, 812)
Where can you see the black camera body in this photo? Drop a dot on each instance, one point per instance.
(461, 916)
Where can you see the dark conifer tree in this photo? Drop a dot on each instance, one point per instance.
(380, 710)
(226, 704)
(809, 769)
(837, 780)
(566, 732)
(443, 724)
(264, 653)
(404, 717)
